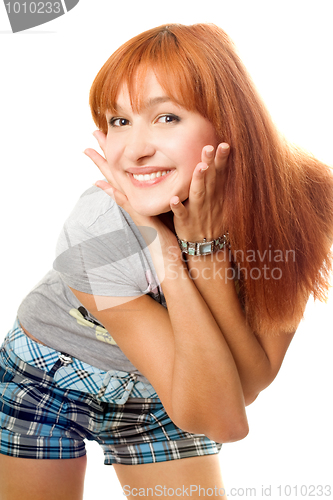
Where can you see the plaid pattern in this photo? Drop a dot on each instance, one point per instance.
(113, 386)
(50, 403)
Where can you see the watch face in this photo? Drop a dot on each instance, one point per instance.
(205, 248)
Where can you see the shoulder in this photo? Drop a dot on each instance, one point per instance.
(95, 219)
(100, 250)
(94, 206)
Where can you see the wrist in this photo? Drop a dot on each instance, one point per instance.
(221, 258)
(204, 247)
(213, 267)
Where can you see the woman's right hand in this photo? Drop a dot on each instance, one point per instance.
(167, 239)
(111, 187)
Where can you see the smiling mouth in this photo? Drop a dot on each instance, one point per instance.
(149, 177)
(148, 180)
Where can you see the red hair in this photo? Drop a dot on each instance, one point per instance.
(278, 200)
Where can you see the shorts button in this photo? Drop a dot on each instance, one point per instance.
(66, 359)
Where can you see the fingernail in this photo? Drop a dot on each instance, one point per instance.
(224, 146)
(209, 151)
(177, 200)
(110, 192)
(204, 168)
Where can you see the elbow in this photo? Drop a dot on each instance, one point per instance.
(220, 432)
(235, 431)
(248, 399)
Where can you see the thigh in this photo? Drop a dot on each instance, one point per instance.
(193, 477)
(33, 479)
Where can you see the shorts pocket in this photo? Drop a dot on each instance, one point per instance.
(5, 375)
(6, 371)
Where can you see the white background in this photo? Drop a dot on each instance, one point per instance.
(46, 73)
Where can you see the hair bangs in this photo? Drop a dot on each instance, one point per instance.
(179, 66)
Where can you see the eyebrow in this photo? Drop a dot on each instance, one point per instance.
(153, 101)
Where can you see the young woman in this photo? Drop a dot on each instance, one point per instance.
(178, 284)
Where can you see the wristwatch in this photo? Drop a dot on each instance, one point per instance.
(204, 247)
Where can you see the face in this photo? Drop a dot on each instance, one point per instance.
(152, 154)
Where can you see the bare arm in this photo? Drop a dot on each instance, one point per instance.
(258, 360)
(182, 352)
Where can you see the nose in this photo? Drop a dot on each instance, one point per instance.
(139, 145)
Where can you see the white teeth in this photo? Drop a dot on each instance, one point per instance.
(149, 177)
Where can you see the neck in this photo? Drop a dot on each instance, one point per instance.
(167, 219)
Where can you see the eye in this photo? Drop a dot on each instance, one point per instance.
(168, 118)
(118, 122)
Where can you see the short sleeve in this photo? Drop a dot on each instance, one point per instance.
(99, 250)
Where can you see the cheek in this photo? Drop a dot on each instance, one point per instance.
(191, 144)
(190, 156)
(186, 151)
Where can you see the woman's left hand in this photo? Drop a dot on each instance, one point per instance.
(200, 216)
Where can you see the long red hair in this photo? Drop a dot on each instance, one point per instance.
(278, 200)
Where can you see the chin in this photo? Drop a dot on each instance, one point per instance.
(152, 211)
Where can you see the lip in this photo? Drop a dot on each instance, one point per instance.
(147, 170)
(152, 182)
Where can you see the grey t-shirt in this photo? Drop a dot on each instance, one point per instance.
(100, 251)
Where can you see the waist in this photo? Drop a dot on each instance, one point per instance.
(29, 334)
(24, 355)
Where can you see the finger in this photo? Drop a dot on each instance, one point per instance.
(221, 158)
(101, 139)
(197, 188)
(114, 193)
(99, 161)
(208, 157)
(105, 186)
(177, 207)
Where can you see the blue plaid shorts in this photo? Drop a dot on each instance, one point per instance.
(51, 402)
